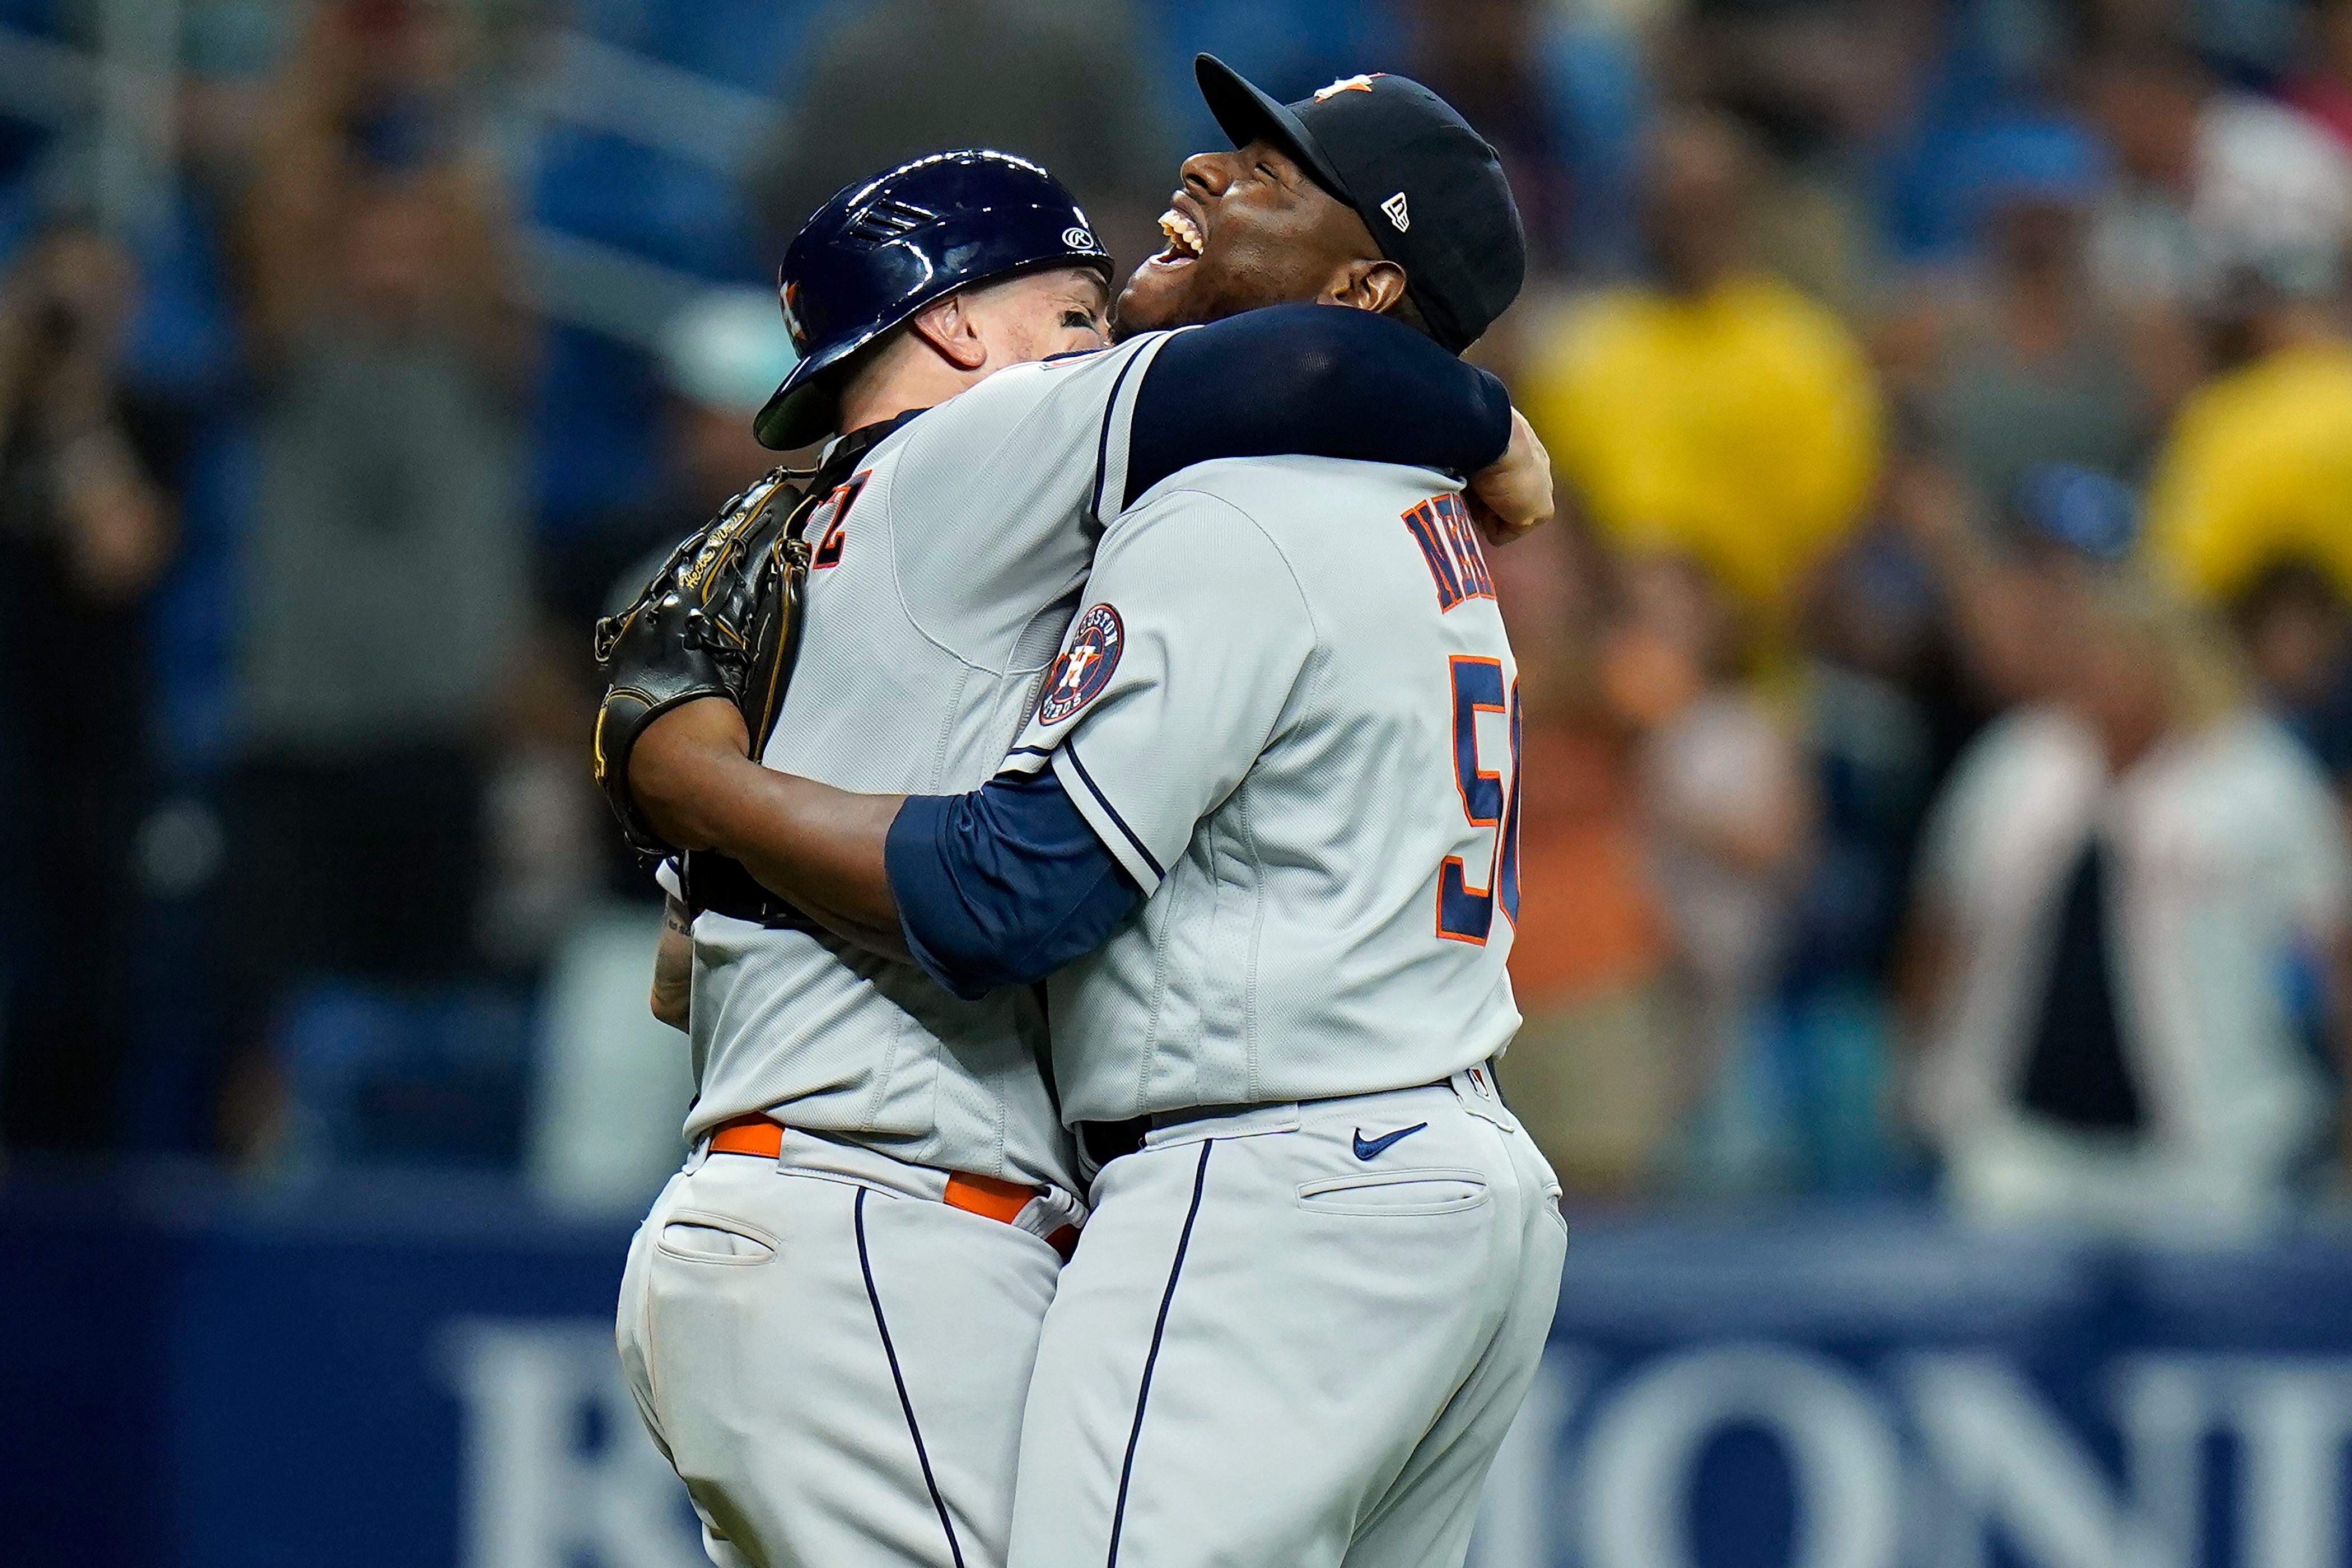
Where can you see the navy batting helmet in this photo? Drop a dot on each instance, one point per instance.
(885, 247)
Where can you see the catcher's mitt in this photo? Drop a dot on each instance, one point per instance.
(721, 618)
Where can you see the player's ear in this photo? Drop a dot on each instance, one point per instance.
(1367, 285)
(952, 329)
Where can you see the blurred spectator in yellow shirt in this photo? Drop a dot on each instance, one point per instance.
(2258, 472)
(2252, 507)
(1717, 412)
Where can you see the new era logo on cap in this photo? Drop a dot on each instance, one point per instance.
(1395, 207)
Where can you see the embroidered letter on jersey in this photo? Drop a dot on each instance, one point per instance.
(1441, 526)
(1084, 667)
(835, 527)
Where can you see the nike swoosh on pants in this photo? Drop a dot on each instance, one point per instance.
(1368, 1149)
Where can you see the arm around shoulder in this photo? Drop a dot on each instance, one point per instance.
(1319, 380)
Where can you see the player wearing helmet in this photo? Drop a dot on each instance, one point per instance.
(1261, 835)
(829, 1317)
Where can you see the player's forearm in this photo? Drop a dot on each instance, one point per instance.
(818, 847)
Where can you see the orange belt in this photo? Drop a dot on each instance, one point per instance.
(987, 1196)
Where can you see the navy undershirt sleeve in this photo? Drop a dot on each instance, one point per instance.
(1004, 886)
(1321, 381)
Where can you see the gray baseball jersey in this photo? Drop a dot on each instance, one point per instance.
(1290, 711)
(944, 572)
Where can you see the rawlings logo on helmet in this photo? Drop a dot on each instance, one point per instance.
(1077, 238)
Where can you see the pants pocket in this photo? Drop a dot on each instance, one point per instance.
(1396, 1193)
(693, 1235)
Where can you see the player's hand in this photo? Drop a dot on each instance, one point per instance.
(1513, 494)
(679, 760)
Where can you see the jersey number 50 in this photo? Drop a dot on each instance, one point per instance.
(1465, 913)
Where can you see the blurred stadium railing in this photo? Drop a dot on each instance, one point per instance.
(588, 85)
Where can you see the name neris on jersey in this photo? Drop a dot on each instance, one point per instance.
(1449, 543)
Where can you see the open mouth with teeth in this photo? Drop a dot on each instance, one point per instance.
(1185, 240)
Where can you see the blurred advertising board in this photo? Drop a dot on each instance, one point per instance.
(422, 1373)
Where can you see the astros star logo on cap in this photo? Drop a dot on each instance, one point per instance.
(1348, 84)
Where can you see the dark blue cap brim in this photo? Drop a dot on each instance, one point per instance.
(801, 412)
(1246, 113)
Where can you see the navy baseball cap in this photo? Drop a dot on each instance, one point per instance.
(1429, 187)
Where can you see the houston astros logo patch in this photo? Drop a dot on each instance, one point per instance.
(1084, 667)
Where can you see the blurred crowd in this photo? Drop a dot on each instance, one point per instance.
(1939, 681)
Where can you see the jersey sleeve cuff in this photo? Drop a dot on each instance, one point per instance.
(1026, 760)
(910, 859)
(1126, 845)
(1499, 415)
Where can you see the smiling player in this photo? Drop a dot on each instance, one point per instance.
(1265, 814)
(830, 1316)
